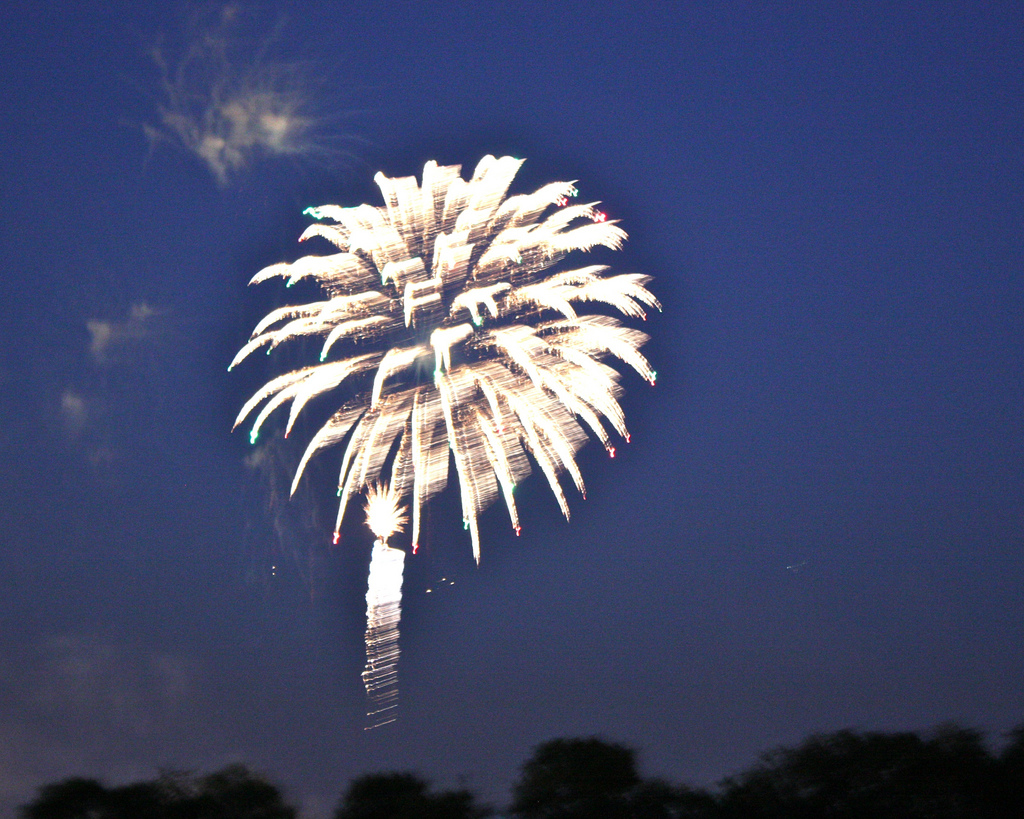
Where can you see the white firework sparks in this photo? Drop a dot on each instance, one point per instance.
(454, 327)
(384, 517)
(383, 613)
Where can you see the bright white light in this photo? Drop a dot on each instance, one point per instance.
(384, 515)
(383, 612)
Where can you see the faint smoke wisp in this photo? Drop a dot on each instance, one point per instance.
(73, 412)
(106, 335)
(227, 100)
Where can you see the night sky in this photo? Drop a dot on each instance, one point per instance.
(817, 525)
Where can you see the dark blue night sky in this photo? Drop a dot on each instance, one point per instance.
(817, 525)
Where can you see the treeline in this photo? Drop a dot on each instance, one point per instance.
(948, 774)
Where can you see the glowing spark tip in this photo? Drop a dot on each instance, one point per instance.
(384, 514)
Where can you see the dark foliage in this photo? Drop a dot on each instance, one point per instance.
(404, 796)
(949, 774)
(232, 793)
(570, 778)
(1011, 761)
(71, 799)
(655, 799)
(585, 778)
(847, 775)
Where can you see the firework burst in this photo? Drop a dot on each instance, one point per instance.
(385, 516)
(455, 329)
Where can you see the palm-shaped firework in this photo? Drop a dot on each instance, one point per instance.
(449, 315)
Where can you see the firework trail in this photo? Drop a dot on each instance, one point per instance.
(459, 337)
(384, 517)
(383, 612)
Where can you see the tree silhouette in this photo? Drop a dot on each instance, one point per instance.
(948, 774)
(404, 796)
(1011, 763)
(75, 798)
(232, 793)
(594, 779)
(847, 775)
(576, 779)
(654, 799)
(236, 793)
